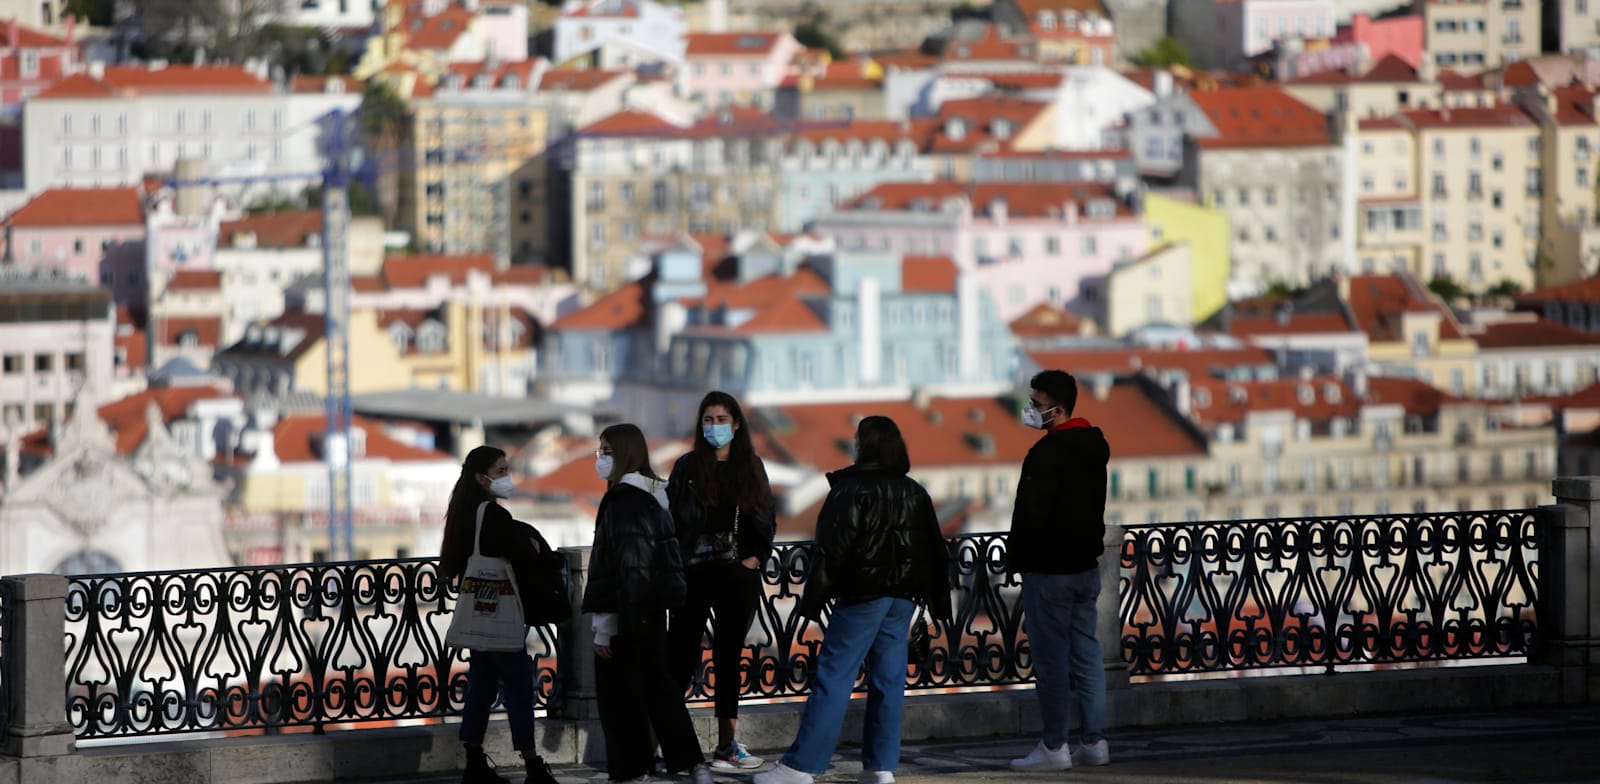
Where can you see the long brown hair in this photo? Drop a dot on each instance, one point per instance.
(461, 516)
(629, 452)
(753, 491)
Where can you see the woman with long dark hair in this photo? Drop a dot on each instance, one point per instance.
(635, 577)
(879, 552)
(722, 507)
(476, 522)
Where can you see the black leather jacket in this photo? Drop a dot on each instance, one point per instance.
(635, 568)
(877, 535)
(757, 527)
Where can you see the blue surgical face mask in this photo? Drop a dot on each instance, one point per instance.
(718, 435)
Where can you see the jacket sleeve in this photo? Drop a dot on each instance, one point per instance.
(757, 532)
(600, 589)
(682, 503)
(634, 546)
(838, 525)
(937, 552)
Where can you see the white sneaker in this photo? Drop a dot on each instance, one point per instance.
(645, 779)
(1096, 753)
(701, 774)
(876, 777)
(782, 774)
(1042, 758)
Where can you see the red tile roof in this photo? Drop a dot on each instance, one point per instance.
(978, 116)
(60, 207)
(623, 308)
(1391, 69)
(127, 81)
(1260, 117)
(297, 436)
(1031, 8)
(594, 9)
(495, 73)
(579, 79)
(274, 230)
(1417, 397)
(1454, 81)
(195, 280)
(1576, 105)
(320, 84)
(911, 60)
(928, 274)
(1198, 363)
(919, 132)
(788, 314)
(126, 418)
(1378, 303)
(409, 272)
(984, 431)
(632, 122)
(1588, 397)
(990, 48)
(1533, 334)
(29, 38)
(720, 45)
(207, 330)
(134, 343)
(1046, 321)
(440, 31)
(1246, 327)
(1016, 80)
(1586, 290)
(1318, 400)
(1503, 115)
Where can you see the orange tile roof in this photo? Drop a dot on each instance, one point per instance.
(1378, 303)
(1586, 290)
(207, 329)
(908, 60)
(274, 230)
(579, 79)
(978, 117)
(294, 435)
(1246, 327)
(745, 44)
(1533, 334)
(787, 314)
(134, 344)
(990, 48)
(955, 431)
(1197, 363)
(29, 38)
(632, 122)
(1451, 80)
(1045, 320)
(195, 280)
(1499, 116)
(1017, 80)
(409, 272)
(1260, 117)
(497, 74)
(1417, 397)
(1023, 200)
(626, 307)
(1031, 8)
(522, 275)
(928, 274)
(1588, 397)
(59, 207)
(1576, 105)
(919, 132)
(440, 31)
(319, 84)
(1391, 69)
(171, 80)
(126, 417)
(1321, 399)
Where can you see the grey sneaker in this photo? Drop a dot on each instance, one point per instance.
(1092, 754)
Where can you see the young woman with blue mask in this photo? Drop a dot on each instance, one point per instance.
(721, 505)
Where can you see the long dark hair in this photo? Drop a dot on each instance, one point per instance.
(462, 514)
(879, 443)
(753, 491)
(629, 452)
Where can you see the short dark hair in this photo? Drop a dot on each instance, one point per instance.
(1060, 386)
(878, 442)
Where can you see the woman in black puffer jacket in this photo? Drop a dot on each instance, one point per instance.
(879, 553)
(635, 577)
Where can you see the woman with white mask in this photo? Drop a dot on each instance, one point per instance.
(478, 528)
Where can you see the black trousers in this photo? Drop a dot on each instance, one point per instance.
(728, 594)
(635, 693)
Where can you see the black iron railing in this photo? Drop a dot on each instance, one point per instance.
(260, 648)
(1326, 592)
(982, 647)
(6, 640)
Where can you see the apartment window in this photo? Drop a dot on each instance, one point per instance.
(1090, 245)
(1438, 148)
(1463, 468)
(43, 363)
(1498, 162)
(12, 364)
(1052, 245)
(658, 196)
(1438, 185)
(627, 193)
(597, 236)
(1244, 196)
(74, 361)
(1474, 147)
(1530, 465)
(1582, 177)
(1269, 195)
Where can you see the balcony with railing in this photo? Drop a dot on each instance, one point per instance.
(336, 648)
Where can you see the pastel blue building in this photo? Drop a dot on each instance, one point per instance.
(778, 325)
(825, 167)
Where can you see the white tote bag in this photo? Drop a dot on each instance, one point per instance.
(488, 615)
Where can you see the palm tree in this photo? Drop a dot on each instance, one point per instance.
(385, 121)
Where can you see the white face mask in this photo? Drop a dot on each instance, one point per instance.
(603, 466)
(1033, 417)
(502, 487)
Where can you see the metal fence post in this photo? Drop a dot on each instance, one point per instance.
(35, 648)
(1570, 616)
(575, 640)
(1108, 609)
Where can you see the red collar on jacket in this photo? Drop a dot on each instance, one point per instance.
(1071, 424)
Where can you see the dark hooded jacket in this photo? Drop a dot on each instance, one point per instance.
(1058, 523)
(877, 536)
(757, 527)
(635, 568)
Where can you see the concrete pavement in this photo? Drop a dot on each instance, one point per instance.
(1529, 747)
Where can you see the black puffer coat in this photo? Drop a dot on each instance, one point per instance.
(877, 536)
(635, 568)
(757, 527)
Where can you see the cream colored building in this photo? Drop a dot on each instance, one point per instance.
(1155, 288)
(1576, 23)
(1471, 36)
(1283, 206)
(1451, 193)
(1387, 87)
(1569, 176)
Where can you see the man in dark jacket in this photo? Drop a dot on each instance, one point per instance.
(1057, 530)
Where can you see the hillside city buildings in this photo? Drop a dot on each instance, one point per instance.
(1344, 262)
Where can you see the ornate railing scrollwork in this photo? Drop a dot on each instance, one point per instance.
(1327, 592)
(259, 648)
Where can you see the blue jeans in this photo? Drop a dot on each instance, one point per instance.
(874, 631)
(1059, 615)
(487, 673)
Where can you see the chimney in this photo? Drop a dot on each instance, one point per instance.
(968, 315)
(13, 450)
(1100, 385)
(869, 332)
(72, 29)
(1181, 396)
(97, 70)
(157, 65)
(1163, 83)
(14, 33)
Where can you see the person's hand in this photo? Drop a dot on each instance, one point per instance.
(603, 651)
(751, 563)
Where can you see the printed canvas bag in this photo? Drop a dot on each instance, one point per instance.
(488, 615)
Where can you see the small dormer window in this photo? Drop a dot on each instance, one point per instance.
(481, 81)
(454, 81)
(512, 82)
(955, 128)
(1339, 427)
(335, 84)
(1306, 395)
(1001, 128)
(431, 337)
(1047, 20)
(1331, 393)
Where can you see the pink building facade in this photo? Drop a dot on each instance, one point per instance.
(1400, 36)
(1026, 243)
(93, 234)
(31, 61)
(722, 69)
